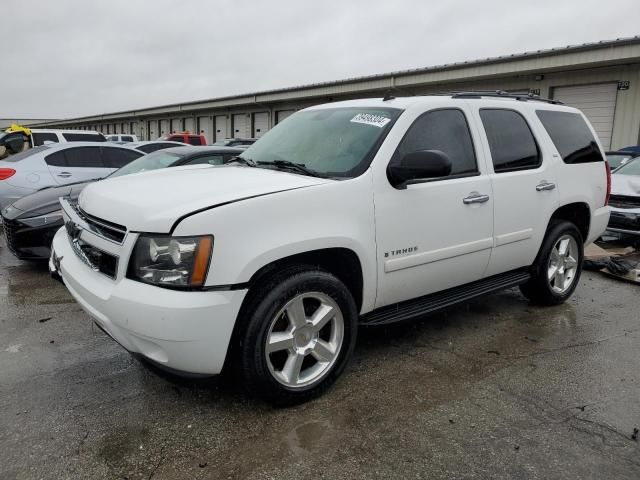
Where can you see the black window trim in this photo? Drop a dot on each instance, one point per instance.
(533, 135)
(477, 173)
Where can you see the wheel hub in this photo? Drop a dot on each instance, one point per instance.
(305, 339)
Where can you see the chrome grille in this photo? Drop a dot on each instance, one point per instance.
(108, 230)
(624, 201)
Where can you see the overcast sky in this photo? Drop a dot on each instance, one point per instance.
(68, 58)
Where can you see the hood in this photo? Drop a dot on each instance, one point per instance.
(628, 185)
(42, 202)
(153, 201)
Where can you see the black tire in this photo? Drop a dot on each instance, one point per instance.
(539, 289)
(262, 306)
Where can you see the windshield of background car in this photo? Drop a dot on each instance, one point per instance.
(336, 142)
(616, 159)
(631, 168)
(153, 161)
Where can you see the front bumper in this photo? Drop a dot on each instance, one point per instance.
(29, 243)
(182, 330)
(625, 221)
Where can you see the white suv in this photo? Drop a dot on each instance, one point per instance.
(359, 212)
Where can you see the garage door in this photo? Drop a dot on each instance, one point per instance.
(260, 124)
(164, 128)
(190, 125)
(597, 102)
(205, 127)
(220, 122)
(176, 125)
(282, 114)
(241, 126)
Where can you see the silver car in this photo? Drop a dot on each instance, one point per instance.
(625, 201)
(59, 164)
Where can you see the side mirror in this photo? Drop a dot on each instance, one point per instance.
(423, 164)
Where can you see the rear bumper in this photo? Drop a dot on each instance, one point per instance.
(181, 330)
(599, 222)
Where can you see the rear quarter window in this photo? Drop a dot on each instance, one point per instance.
(40, 137)
(571, 136)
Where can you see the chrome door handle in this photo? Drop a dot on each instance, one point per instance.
(475, 198)
(64, 174)
(545, 186)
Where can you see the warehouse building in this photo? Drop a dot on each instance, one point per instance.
(602, 79)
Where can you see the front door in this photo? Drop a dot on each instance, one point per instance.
(438, 233)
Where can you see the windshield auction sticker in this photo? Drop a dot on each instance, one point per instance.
(371, 119)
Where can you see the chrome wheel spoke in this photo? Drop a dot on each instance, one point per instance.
(571, 262)
(279, 341)
(553, 269)
(291, 369)
(563, 246)
(563, 263)
(323, 351)
(321, 316)
(295, 312)
(314, 341)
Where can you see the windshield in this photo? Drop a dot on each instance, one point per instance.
(153, 161)
(631, 168)
(336, 142)
(220, 143)
(617, 159)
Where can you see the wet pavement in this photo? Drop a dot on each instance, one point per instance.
(493, 389)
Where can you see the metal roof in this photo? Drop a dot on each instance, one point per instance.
(603, 44)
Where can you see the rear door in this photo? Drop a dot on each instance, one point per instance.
(76, 164)
(523, 183)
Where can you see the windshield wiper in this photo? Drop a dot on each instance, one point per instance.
(245, 161)
(298, 167)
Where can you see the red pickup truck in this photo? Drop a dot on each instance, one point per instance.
(186, 137)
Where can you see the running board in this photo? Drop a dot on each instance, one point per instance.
(437, 301)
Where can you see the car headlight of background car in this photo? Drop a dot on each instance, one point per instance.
(168, 261)
(40, 220)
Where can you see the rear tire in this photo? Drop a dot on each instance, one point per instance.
(557, 268)
(297, 332)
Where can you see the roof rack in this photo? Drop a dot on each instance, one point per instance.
(503, 94)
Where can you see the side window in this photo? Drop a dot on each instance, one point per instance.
(127, 138)
(445, 130)
(40, 137)
(83, 157)
(84, 137)
(194, 140)
(56, 159)
(571, 136)
(510, 140)
(118, 157)
(210, 159)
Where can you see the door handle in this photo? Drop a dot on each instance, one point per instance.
(545, 186)
(64, 174)
(475, 197)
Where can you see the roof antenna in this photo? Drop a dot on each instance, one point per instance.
(388, 97)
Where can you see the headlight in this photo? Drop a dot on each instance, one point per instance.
(40, 220)
(171, 261)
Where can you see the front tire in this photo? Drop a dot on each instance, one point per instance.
(298, 337)
(557, 268)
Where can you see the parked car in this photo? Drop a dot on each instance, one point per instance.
(625, 202)
(186, 137)
(619, 158)
(18, 139)
(367, 212)
(31, 222)
(236, 142)
(632, 149)
(153, 145)
(59, 164)
(122, 138)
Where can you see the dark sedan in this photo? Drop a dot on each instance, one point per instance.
(31, 222)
